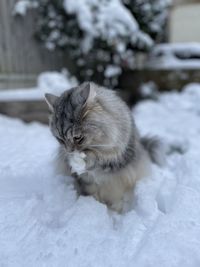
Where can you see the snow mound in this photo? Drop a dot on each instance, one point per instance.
(56, 82)
(43, 223)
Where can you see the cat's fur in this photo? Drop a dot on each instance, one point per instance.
(94, 120)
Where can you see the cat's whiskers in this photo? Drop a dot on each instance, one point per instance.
(110, 146)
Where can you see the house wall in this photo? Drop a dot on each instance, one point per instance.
(185, 22)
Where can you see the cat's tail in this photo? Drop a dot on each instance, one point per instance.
(155, 149)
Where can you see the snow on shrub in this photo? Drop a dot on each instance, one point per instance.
(98, 34)
(175, 56)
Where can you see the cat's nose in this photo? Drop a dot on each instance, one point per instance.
(78, 139)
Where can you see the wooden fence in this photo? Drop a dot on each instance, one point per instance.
(21, 56)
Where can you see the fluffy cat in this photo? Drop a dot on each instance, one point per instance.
(99, 143)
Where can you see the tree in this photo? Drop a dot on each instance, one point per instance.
(101, 36)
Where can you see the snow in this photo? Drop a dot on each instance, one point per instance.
(112, 70)
(77, 162)
(175, 56)
(43, 223)
(48, 82)
(55, 82)
(110, 20)
(22, 6)
(21, 94)
(149, 90)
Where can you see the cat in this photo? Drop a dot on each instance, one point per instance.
(100, 145)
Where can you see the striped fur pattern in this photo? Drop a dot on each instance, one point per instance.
(95, 121)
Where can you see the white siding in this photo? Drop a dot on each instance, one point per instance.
(185, 23)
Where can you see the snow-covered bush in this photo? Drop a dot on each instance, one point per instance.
(23, 6)
(101, 36)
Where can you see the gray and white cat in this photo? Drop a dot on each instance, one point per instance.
(99, 143)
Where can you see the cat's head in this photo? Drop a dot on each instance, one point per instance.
(78, 120)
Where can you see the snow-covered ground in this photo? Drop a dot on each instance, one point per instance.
(43, 223)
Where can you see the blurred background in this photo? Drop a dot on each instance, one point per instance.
(138, 47)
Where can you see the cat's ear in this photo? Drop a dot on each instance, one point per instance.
(92, 94)
(50, 99)
(88, 93)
